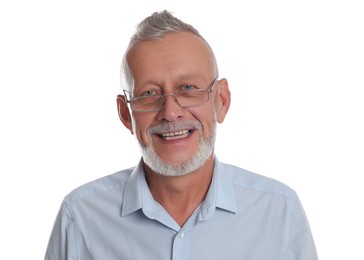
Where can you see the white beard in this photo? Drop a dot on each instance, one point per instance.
(158, 165)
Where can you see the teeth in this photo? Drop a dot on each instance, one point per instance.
(175, 135)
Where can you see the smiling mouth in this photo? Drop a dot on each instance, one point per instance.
(175, 135)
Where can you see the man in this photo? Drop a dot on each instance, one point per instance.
(179, 202)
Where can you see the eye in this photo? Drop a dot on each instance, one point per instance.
(187, 87)
(148, 93)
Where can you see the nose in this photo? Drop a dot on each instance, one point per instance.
(171, 110)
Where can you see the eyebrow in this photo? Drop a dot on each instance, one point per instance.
(178, 78)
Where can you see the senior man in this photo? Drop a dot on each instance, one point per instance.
(179, 202)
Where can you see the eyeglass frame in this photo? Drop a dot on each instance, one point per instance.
(162, 97)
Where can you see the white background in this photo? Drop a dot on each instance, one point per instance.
(295, 70)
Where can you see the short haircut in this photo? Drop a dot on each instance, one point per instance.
(155, 27)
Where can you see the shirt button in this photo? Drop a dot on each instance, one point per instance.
(181, 235)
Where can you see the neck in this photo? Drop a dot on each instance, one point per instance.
(181, 195)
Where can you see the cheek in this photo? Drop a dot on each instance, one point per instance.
(207, 117)
(209, 129)
(140, 127)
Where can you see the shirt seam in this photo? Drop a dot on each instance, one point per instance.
(289, 228)
(88, 193)
(292, 197)
(68, 208)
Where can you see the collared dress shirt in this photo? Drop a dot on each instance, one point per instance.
(244, 216)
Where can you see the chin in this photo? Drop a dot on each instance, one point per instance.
(181, 168)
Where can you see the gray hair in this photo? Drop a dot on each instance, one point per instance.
(154, 27)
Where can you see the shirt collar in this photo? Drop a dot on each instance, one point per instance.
(221, 193)
(137, 195)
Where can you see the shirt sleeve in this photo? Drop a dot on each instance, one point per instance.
(62, 242)
(301, 245)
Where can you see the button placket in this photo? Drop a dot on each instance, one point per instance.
(181, 246)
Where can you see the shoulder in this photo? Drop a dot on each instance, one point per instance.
(100, 187)
(247, 180)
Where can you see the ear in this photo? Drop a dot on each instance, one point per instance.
(124, 113)
(223, 99)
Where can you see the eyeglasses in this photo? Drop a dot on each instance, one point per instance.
(186, 96)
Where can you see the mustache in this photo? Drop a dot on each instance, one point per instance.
(168, 127)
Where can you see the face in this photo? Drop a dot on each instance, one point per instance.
(175, 140)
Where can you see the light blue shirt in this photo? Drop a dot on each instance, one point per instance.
(244, 216)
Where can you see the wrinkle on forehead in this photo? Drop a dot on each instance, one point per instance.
(178, 55)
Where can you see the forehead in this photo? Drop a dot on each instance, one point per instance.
(176, 55)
